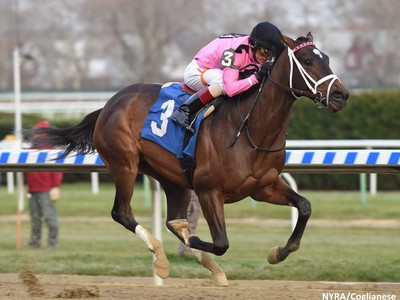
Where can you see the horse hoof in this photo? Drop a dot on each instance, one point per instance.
(161, 264)
(219, 279)
(161, 268)
(273, 256)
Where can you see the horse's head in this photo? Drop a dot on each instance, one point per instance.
(311, 76)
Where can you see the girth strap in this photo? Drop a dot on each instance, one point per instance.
(188, 164)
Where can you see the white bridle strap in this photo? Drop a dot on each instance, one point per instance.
(310, 82)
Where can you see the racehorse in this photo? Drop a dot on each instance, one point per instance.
(229, 166)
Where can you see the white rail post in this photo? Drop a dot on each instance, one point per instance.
(373, 184)
(18, 135)
(363, 189)
(10, 182)
(95, 182)
(157, 219)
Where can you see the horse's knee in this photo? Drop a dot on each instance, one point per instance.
(304, 207)
(221, 249)
(216, 248)
(294, 246)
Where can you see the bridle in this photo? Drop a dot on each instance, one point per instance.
(313, 93)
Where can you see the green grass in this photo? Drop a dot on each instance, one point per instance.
(105, 248)
(78, 200)
(91, 245)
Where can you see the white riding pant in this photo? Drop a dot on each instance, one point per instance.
(197, 78)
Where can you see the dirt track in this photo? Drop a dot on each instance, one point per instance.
(111, 288)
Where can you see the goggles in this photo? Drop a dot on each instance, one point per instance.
(264, 51)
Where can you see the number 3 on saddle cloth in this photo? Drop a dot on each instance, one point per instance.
(160, 129)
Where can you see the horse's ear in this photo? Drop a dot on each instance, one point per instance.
(310, 37)
(288, 41)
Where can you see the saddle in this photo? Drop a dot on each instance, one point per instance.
(160, 129)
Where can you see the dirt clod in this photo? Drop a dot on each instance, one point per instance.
(79, 293)
(31, 282)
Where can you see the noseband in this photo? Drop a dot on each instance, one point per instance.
(318, 97)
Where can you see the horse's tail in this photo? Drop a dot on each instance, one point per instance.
(78, 138)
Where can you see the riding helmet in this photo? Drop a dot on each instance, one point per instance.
(267, 36)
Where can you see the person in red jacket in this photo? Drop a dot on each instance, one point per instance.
(43, 189)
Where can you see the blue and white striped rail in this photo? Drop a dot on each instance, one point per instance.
(301, 161)
(48, 160)
(352, 161)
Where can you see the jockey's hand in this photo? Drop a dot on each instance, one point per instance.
(264, 70)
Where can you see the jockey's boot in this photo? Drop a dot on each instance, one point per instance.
(184, 115)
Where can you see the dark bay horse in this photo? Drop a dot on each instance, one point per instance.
(225, 172)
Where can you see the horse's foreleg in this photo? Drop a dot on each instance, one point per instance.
(284, 195)
(181, 228)
(207, 260)
(178, 201)
(213, 211)
(278, 254)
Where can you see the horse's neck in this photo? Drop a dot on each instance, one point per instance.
(271, 114)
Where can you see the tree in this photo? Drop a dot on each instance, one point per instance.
(79, 44)
(139, 37)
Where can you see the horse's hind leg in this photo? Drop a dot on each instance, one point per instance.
(124, 174)
(284, 195)
(122, 162)
(122, 213)
(117, 141)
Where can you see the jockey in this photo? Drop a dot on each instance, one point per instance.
(229, 65)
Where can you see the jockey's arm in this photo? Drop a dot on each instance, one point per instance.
(233, 85)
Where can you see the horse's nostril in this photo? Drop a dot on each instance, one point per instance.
(340, 95)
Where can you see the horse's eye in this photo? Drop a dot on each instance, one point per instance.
(307, 62)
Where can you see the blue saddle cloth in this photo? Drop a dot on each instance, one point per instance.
(159, 127)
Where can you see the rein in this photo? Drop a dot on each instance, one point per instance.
(245, 120)
(244, 124)
(294, 90)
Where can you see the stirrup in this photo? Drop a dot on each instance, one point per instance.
(183, 119)
(188, 127)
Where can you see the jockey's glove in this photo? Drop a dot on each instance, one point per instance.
(264, 70)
